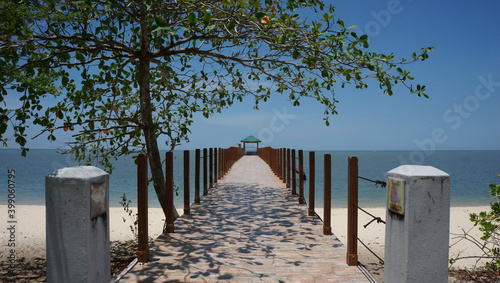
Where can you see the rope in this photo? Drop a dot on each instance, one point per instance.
(380, 260)
(378, 219)
(377, 182)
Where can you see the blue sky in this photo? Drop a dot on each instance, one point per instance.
(462, 76)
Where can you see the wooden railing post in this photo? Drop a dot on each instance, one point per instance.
(169, 180)
(221, 162)
(229, 156)
(282, 165)
(271, 164)
(205, 172)
(294, 183)
(197, 176)
(311, 182)
(211, 166)
(352, 211)
(301, 177)
(327, 213)
(186, 183)
(142, 209)
(278, 157)
(278, 164)
(231, 159)
(224, 161)
(283, 158)
(216, 175)
(288, 168)
(273, 160)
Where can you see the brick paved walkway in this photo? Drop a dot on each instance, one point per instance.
(248, 229)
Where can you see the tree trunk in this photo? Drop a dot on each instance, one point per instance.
(153, 152)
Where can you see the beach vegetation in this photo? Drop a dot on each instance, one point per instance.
(125, 77)
(488, 223)
(133, 217)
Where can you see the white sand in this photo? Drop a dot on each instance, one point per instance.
(30, 230)
(374, 234)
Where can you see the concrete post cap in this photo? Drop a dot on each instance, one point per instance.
(418, 171)
(78, 172)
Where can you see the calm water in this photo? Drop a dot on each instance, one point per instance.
(470, 171)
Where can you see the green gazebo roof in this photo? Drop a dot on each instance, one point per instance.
(251, 139)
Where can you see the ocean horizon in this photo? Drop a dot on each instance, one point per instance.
(471, 172)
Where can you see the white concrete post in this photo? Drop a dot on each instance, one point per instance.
(417, 236)
(77, 225)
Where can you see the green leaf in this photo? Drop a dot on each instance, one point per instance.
(110, 5)
(160, 22)
(259, 15)
(65, 81)
(192, 19)
(207, 18)
(340, 23)
(210, 27)
(51, 3)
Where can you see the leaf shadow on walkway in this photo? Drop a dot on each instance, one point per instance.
(244, 231)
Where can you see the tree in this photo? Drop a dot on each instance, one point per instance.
(123, 73)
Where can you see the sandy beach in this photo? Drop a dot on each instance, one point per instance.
(374, 235)
(30, 231)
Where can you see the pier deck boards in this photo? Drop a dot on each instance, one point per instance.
(248, 229)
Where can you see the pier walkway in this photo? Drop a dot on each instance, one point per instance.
(248, 229)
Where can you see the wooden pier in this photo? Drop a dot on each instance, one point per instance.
(248, 228)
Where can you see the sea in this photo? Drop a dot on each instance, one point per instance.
(471, 173)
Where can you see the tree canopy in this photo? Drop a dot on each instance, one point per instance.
(122, 73)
